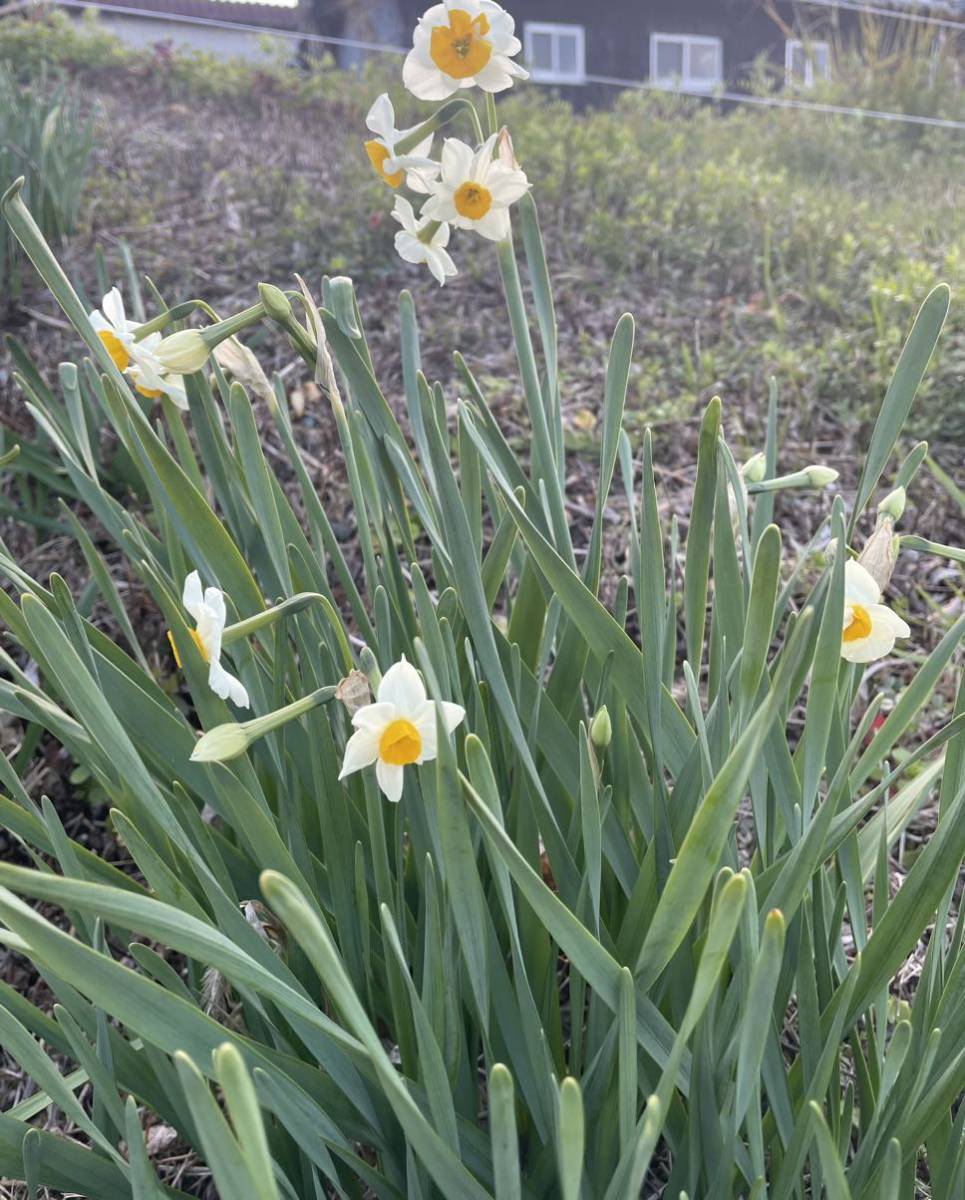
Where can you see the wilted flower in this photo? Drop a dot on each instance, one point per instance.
(399, 728)
(114, 329)
(208, 610)
(396, 169)
(870, 628)
(460, 43)
(475, 191)
(183, 352)
(423, 240)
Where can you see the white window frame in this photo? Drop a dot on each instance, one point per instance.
(807, 48)
(686, 80)
(555, 29)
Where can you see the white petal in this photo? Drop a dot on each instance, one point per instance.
(112, 306)
(495, 77)
(174, 389)
(391, 778)
(374, 716)
(456, 162)
(494, 225)
(859, 587)
(440, 206)
(440, 264)
(506, 184)
(482, 159)
(402, 686)
(403, 212)
(361, 750)
(409, 248)
(225, 685)
(867, 649)
(192, 598)
(426, 82)
(453, 715)
(381, 117)
(884, 619)
(214, 603)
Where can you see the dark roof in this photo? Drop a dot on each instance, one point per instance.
(237, 12)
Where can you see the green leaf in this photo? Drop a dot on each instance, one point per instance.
(571, 1138)
(900, 395)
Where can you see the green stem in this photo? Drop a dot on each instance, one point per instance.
(441, 117)
(491, 118)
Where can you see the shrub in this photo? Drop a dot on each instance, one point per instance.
(629, 923)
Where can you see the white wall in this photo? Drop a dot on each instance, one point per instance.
(225, 43)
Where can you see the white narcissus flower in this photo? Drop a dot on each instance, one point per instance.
(423, 240)
(114, 329)
(149, 375)
(870, 628)
(208, 609)
(399, 728)
(412, 168)
(461, 43)
(137, 359)
(474, 191)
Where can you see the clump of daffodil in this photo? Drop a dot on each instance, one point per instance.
(475, 189)
(398, 729)
(870, 627)
(395, 168)
(423, 240)
(207, 607)
(459, 44)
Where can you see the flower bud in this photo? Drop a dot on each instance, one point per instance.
(893, 504)
(184, 352)
(277, 304)
(601, 729)
(222, 743)
(755, 468)
(820, 476)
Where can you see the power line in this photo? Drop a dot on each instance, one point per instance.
(601, 80)
(841, 110)
(896, 14)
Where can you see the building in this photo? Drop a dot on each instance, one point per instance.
(696, 46)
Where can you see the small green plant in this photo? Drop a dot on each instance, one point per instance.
(46, 139)
(451, 880)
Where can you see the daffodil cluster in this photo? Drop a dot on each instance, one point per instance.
(457, 45)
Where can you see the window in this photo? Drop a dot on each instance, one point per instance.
(554, 53)
(806, 61)
(686, 61)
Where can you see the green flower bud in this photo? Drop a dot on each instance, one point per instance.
(183, 352)
(601, 729)
(819, 476)
(276, 303)
(893, 504)
(755, 468)
(222, 743)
